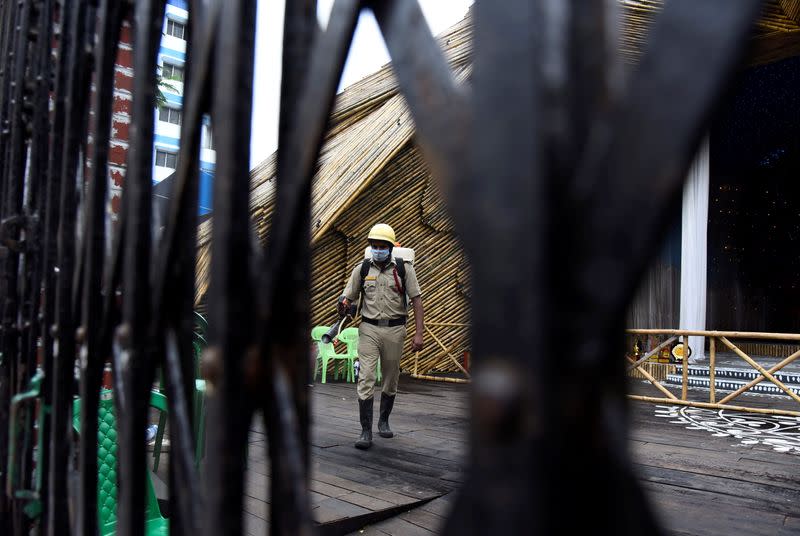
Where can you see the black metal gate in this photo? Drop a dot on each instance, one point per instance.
(560, 168)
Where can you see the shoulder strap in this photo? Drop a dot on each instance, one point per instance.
(400, 266)
(365, 264)
(401, 270)
(364, 271)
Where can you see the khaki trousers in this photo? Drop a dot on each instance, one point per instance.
(376, 342)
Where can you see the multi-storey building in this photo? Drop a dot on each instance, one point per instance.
(168, 116)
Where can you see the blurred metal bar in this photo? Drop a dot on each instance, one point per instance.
(40, 151)
(58, 513)
(306, 102)
(172, 320)
(285, 356)
(231, 303)
(439, 107)
(92, 357)
(504, 216)
(134, 366)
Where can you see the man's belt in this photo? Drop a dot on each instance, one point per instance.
(386, 322)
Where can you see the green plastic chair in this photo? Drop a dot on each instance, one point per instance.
(316, 336)
(155, 523)
(31, 396)
(198, 345)
(317, 332)
(349, 336)
(326, 352)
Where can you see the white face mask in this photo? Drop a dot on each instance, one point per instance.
(380, 255)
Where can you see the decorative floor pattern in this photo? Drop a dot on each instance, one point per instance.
(781, 433)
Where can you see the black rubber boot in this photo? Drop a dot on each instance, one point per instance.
(387, 403)
(365, 416)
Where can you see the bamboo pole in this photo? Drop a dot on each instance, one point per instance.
(685, 380)
(650, 354)
(440, 379)
(654, 381)
(712, 369)
(707, 405)
(416, 362)
(761, 369)
(761, 378)
(447, 351)
(447, 324)
(728, 334)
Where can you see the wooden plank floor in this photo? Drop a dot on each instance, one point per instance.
(699, 483)
(708, 473)
(704, 474)
(352, 488)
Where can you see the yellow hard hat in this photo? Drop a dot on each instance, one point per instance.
(382, 232)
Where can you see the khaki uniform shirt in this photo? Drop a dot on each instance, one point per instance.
(381, 299)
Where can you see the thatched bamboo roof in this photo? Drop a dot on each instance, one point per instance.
(370, 170)
(776, 34)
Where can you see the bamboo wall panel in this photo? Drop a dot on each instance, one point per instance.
(398, 197)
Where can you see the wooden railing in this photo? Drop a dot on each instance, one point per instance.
(724, 338)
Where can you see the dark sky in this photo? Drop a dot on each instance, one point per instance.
(759, 123)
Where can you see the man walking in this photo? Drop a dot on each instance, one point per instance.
(385, 283)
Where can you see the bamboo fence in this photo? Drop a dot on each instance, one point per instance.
(717, 339)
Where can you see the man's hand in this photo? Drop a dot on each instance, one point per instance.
(417, 343)
(341, 306)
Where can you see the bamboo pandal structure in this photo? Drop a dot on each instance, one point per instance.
(723, 337)
(370, 170)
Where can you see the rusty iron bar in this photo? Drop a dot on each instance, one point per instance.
(231, 303)
(504, 143)
(306, 103)
(10, 188)
(36, 109)
(134, 366)
(80, 19)
(173, 284)
(92, 357)
(40, 150)
(57, 477)
(439, 107)
(16, 232)
(286, 406)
